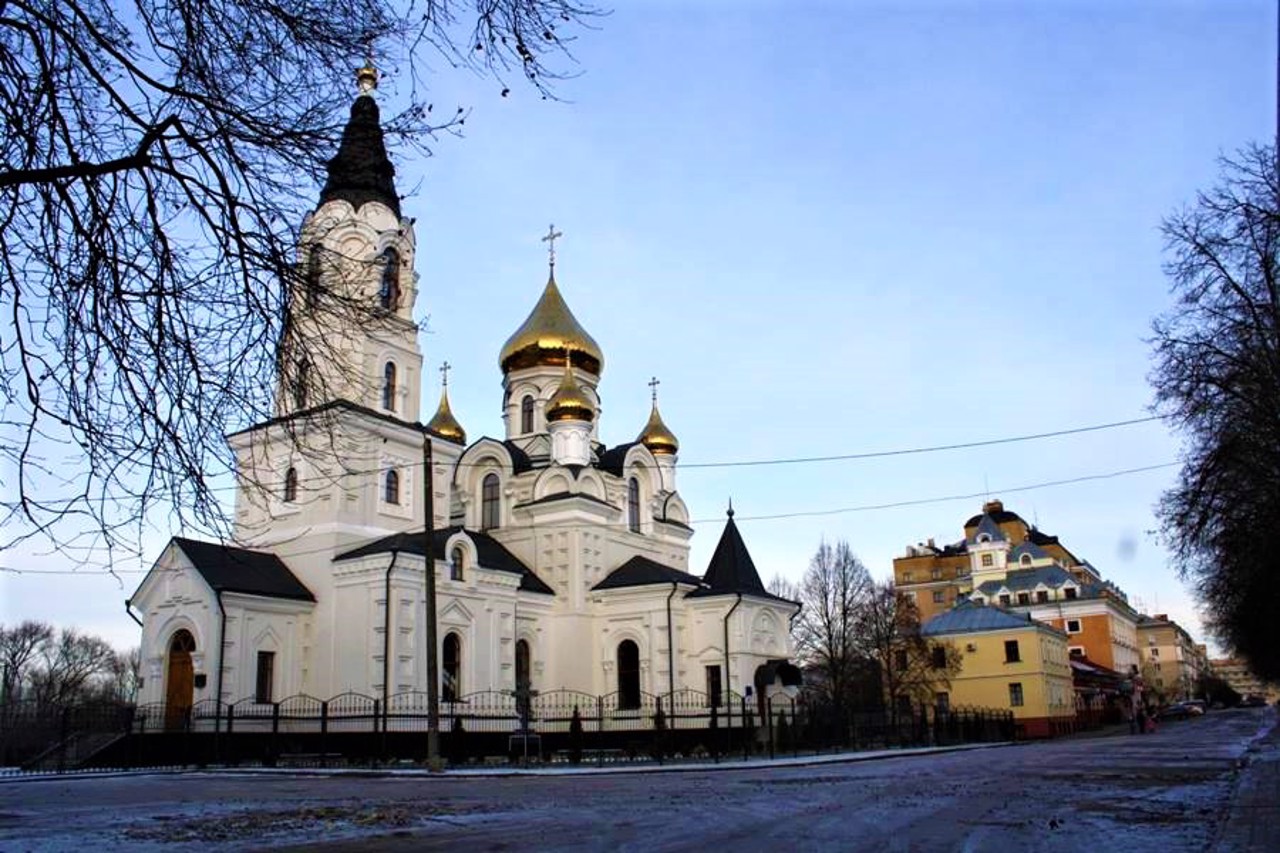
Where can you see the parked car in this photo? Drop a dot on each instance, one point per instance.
(1254, 701)
(1197, 703)
(1179, 711)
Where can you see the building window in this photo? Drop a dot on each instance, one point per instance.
(936, 574)
(1155, 653)
(1011, 651)
(526, 415)
(938, 657)
(713, 686)
(906, 577)
(942, 702)
(312, 283)
(1073, 626)
(391, 487)
(455, 564)
(1024, 598)
(978, 600)
(300, 383)
(1025, 559)
(1005, 601)
(1069, 592)
(524, 680)
(451, 660)
(489, 506)
(938, 596)
(1042, 595)
(291, 485)
(900, 659)
(1076, 651)
(389, 292)
(1015, 695)
(389, 386)
(633, 505)
(266, 678)
(628, 675)
(988, 560)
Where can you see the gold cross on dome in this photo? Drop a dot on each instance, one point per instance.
(444, 373)
(550, 240)
(653, 388)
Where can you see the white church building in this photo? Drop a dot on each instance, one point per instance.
(561, 562)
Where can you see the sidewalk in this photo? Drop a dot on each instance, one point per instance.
(508, 770)
(1253, 818)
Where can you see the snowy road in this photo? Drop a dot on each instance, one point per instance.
(1164, 792)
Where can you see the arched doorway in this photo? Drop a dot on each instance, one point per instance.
(179, 690)
(452, 686)
(628, 675)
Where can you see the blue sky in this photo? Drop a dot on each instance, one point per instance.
(837, 228)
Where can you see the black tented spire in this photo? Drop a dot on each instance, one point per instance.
(361, 171)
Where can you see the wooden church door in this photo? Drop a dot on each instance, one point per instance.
(180, 680)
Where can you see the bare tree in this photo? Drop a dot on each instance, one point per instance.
(71, 665)
(831, 593)
(157, 158)
(19, 648)
(887, 631)
(1217, 381)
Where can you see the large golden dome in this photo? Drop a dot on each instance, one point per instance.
(549, 330)
(655, 435)
(443, 424)
(570, 402)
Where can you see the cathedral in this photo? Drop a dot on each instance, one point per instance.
(560, 562)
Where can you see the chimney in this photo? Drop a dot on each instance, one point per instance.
(1161, 617)
(993, 506)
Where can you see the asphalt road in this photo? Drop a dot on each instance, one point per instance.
(1165, 792)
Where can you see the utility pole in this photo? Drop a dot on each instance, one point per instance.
(429, 575)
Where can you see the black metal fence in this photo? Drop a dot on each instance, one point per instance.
(487, 727)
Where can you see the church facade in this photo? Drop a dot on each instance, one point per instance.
(560, 562)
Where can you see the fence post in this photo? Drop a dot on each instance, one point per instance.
(275, 733)
(768, 710)
(599, 730)
(324, 733)
(747, 732)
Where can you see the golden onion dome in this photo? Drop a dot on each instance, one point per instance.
(570, 402)
(544, 336)
(655, 435)
(443, 424)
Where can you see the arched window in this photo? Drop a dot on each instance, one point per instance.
(300, 382)
(312, 283)
(523, 683)
(628, 675)
(633, 505)
(391, 487)
(455, 564)
(389, 386)
(1026, 559)
(291, 485)
(389, 293)
(526, 415)
(489, 505)
(451, 689)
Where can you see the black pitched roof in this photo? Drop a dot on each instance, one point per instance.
(520, 461)
(361, 171)
(611, 460)
(330, 406)
(999, 516)
(641, 571)
(490, 553)
(731, 569)
(229, 569)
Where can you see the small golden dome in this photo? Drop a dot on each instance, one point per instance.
(655, 435)
(444, 425)
(570, 402)
(549, 330)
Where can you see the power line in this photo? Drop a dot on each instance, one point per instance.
(720, 520)
(331, 479)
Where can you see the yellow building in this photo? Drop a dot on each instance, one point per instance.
(1236, 672)
(1008, 660)
(1002, 560)
(1170, 660)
